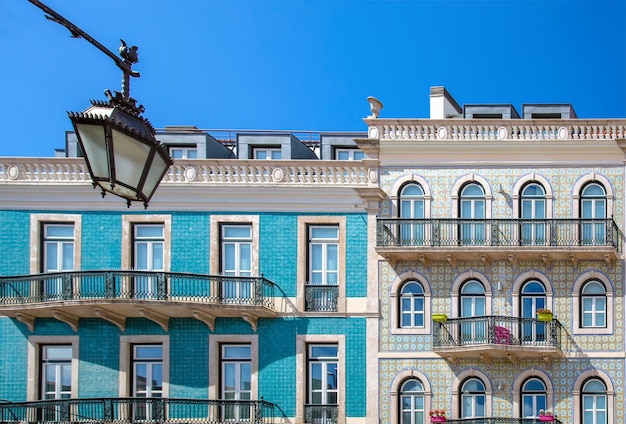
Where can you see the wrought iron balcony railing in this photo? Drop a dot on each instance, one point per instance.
(498, 330)
(413, 232)
(138, 410)
(499, 420)
(321, 414)
(136, 285)
(320, 298)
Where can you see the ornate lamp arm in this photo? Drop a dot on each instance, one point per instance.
(129, 54)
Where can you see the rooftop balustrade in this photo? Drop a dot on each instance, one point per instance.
(512, 338)
(138, 410)
(117, 295)
(485, 239)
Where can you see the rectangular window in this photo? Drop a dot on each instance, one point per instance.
(322, 390)
(148, 255)
(183, 152)
(349, 154)
(323, 268)
(236, 381)
(56, 371)
(147, 377)
(236, 261)
(268, 153)
(58, 256)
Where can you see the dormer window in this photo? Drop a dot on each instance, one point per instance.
(267, 153)
(349, 154)
(183, 152)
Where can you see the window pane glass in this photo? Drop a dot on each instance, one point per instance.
(151, 231)
(324, 351)
(332, 264)
(236, 352)
(60, 231)
(148, 352)
(66, 377)
(192, 154)
(316, 257)
(157, 377)
(237, 231)
(343, 155)
(141, 255)
(277, 154)
(58, 352)
(51, 257)
(358, 155)
(324, 232)
(157, 256)
(260, 154)
(68, 256)
(245, 261)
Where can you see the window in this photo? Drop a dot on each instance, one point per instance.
(38, 227)
(236, 261)
(594, 402)
(147, 377)
(473, 304)
(473, 399)
(236, 381)
(349, 154)
(183, 152)
(323, 269)
(148, 256)
(533, 207)
(472, 206)
(412, 305)
(56, 371)
(593, 214)
(412, 207)
(533, 297)
(268, 153)
(412, 402)
(593, 302)
(534, 398)
(58, 256)
(322, 384)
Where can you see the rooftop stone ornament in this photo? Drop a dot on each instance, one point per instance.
(120, 147)
(375, 106)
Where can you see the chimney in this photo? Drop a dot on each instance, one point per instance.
(443, 105)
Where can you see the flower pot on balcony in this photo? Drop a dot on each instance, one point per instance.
(437, 419)
(440, 318)
(546, 418)
(545, 317)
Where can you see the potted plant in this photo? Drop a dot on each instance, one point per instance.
(544, 315)
(437, 415)
(440, 317)
(546, 416)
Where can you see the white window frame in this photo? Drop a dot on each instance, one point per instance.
(577, 327)
(269, 151)
(578, 393)
(394, 304)
(325, 244)
(58, 371)
(302, 343)
(303, 248)
(216, 221)
(37, 221)
(350, 152)
(34, 376)
(237, 243)
(126, 364)
(215, 343)
(395, 393)
(185, 150)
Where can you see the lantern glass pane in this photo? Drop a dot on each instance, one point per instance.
(130, 157)
(93, 143)
(158, 168)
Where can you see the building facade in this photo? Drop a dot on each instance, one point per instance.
(326, 278)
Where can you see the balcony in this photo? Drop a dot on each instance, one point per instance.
(453, 239)
(138, 410)
(490, 337)
(320, 298)
(321, 414)
(118, 295)
(499, 420)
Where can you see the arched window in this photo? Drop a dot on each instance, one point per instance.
(593, 304)
(533, 207)
(594, 402)
(472, 206)
(412, 402)
(473, 399)
(533, 297)
(473, 304)
(593, 214)
(412, 207)
(534, 398)
(412, 305)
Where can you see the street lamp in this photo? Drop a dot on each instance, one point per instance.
(122, 153)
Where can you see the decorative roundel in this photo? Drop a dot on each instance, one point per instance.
(373, 132)
(502, 133)
(372, 175)
(190, 173)
(442, 133)
(278, 174)
(14, 172)
(563, 133)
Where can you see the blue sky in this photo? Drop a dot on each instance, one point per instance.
(305, 64)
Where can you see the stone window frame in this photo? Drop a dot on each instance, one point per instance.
(394, 304)
(215, 369)
(577, 328)
(33, 391)
(125, 365)
(215, 243)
